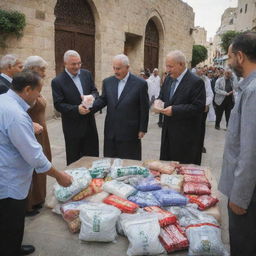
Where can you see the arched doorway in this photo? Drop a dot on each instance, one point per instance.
(151, 46)
(74, 29)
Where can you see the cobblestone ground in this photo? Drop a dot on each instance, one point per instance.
(48, 232)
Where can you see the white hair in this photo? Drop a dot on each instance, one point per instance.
(69, 53)
(178, 56)
(34, 61)
(8, 60)
(123, 58)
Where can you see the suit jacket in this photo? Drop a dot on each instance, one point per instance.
(4, 85)
(181, 131)
(127, 115)
(220, 92)
(66, 99)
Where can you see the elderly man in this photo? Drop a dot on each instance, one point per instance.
(20, 154)
(238, 176)
(126, 98)
(79, 127)
(184, 96)
(37, 193)
(224, 98)
(9, 66)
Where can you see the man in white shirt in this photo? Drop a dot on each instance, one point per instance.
(154, 85)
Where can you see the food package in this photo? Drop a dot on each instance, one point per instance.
(189, 215)
(168, 197)
(142, 231)
(97, 198)
(74, 225)
(148, 184)
(165, 218)
(87, 101)
(173, 181)
(81, 180)
(129, 170)
(173, 238)
(144, 199)
(204, 202)
(157, 106)
(159, 166)
(118, 188)
(196, 188)
(98, 222)
(205, 239)
(189, 170)
(197, 179)
(122, 204)
(94, 188)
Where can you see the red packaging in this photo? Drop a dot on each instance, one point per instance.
(165, 218)
(173, 238)
(191, 171)
(120, 203)
(204, 202)
(196, 188)
(197, 179)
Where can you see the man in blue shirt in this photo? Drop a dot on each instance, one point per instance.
(20, 154)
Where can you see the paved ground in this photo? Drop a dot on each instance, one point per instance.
(48, 232)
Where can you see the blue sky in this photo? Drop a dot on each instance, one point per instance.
(208, 13)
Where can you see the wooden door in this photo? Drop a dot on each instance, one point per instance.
(74, 30)
(151, 46)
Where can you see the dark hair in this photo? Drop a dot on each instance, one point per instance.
(246, 43)
(25, 78)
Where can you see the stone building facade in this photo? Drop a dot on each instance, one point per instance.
(145, 30)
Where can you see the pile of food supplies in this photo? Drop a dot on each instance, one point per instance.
(159, 207)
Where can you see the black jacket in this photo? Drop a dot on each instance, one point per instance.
(4, 85)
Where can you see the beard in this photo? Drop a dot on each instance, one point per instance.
(238, 69)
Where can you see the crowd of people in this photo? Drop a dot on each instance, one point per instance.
(188, 96)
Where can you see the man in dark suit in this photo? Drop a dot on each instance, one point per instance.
(126, 98)
(9, 66)
(79, 127)
(184, 96)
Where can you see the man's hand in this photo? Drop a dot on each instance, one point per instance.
(141, 135)
(82, 110)
(64, 179)
(167, 111)
(229, 93)
(37, 128)
(237, 209)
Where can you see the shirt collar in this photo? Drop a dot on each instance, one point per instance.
(9, 79)
(181, 75)
(125, 78)
(243, 84)
(21, 102)
(71, 75)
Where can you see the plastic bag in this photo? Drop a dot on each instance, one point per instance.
(87, 101)
(129, 170)
(173, 238)
(157, 106)
(97, 198)
(148, 184)
(159, 166)
(189, 170)
(173, 181)
(204, 202)
(196, 189)
(118, 188)
(205, 239)
(98, 222)
(94, 187)
(81, 180)
(144, 199)
(165, 218)
(122, 204)
(197, 179)
(74, 225)
(168, 197)
(142, 231)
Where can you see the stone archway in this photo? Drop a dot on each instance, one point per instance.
(74, 29)
(151, 46)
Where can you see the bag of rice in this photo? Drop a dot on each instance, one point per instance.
(118, 188)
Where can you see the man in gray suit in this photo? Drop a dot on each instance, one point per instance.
(224, 98)
(238, 177)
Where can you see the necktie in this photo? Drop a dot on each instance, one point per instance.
(172, 88)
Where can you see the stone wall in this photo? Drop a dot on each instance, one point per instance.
(113, 19)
